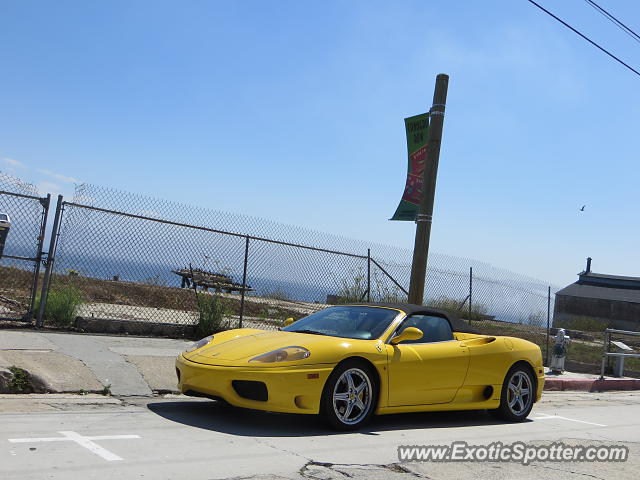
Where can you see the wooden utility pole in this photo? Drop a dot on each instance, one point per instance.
(425, 212)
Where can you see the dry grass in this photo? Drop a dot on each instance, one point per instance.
(15, 285)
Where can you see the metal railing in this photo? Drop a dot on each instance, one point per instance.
(606, 354)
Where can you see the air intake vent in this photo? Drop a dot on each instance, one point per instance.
(487, 392)
(251, 390)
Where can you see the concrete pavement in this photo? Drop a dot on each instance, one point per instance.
(133, 434)
(63, 437)
(74, 362)
(126, 365)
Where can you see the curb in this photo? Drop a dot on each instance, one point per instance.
(590, 385)
(132, 327)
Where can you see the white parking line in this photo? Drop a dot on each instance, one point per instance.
(551, 417)
(86, 442)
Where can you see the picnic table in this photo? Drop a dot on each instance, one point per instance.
(206, 280)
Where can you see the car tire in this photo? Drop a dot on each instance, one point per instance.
(350, 395)
(517, 395)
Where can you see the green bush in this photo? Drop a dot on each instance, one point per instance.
(354, 290)
(383, 290)
(62, 305)
(585, 324)
(538, 319)
(212, 312)
(457, 308)
(19, 381)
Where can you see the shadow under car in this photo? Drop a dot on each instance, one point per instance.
(221, 417)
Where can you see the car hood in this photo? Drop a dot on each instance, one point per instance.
(241, 346)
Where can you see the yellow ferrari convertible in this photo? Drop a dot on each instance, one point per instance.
(349, 362)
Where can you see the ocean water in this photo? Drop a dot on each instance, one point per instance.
(308, 282)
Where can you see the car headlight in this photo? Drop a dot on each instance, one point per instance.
(199, 344)
(286, 354)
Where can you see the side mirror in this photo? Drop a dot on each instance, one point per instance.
(409, 333)
(288, 322)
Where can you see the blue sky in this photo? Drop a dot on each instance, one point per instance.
(293, 111)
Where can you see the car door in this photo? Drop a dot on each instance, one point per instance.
(429, 370)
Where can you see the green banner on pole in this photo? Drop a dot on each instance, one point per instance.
(416, 128)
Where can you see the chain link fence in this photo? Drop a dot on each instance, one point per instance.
(127, 257)
(132, 259)
(21, 257)
(496, 301)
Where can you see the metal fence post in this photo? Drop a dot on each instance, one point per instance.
(46, 203)
(605, 349)
(470, 292)
(609, 367)
(244, 279)
(51, 254)
(368, 274)
(548, 324)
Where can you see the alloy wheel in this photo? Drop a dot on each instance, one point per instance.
(519, 393)
(352, 396)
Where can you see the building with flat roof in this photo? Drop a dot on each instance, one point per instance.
(596, 299)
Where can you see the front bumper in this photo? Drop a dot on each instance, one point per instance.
(290, 389)
(541, 378)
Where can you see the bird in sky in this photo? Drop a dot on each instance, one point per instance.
(582, 209)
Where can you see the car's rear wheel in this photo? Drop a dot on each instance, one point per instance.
(349, 396)
(518, 393)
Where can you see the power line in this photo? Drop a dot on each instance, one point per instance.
(614, 20)
(585, 37)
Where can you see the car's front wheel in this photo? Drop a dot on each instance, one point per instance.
(349, 396)
(518, 394)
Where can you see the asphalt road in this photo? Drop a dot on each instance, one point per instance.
(95, 437)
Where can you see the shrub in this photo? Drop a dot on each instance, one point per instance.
(385, 291)
(353, 290)
(538, 319)
(455, 307)
(62, 305)
(212, 312)
(19, 380)
(586, 324)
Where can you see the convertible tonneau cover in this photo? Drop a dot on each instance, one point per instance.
(457, 324)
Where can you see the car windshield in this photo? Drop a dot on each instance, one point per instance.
(348, 322)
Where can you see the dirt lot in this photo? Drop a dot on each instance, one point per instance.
(99, 294)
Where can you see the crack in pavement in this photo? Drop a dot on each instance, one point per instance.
(282, 450)
(313, 470)
(307, 470)
(105, 364)
(566, 471)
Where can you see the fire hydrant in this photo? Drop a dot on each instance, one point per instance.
(559, 351)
